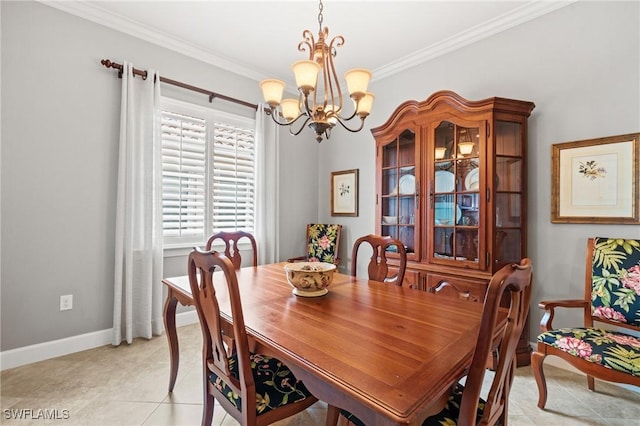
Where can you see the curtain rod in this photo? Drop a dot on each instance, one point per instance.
(212, 95)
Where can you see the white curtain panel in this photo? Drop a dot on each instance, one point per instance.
(267, 153)
(137, 304)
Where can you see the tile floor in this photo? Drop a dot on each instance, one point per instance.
(127, 385)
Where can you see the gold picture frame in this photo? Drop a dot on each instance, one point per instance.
(596, 180)
(344, 193)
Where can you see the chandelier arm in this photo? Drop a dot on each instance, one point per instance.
(337, 41)
(273, 114)
(353, 114)
(328, 96)
(297, 132)
(304, 100)
(308, 42)
(339, 120)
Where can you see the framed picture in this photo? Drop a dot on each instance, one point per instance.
(344, 193)
(596, 181)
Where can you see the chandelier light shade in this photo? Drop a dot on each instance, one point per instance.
(320, 100)
(465, 148)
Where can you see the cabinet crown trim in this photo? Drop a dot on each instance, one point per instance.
(411, 108)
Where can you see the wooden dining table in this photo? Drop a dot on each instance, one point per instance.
(388, 354)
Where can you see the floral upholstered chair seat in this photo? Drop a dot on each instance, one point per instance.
(449, 416)
(610, 349)
(275, 384)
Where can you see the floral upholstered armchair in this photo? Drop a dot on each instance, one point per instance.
(323, 242)
(612, 298)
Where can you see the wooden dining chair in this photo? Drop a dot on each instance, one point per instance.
(378, 268)
(465, 407)
(605, 344)
(231, 249)
(254, 389)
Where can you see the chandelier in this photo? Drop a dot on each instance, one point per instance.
(320, 101)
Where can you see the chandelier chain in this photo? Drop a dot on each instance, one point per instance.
(320, 16)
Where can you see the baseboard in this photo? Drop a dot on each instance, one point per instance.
(55, 348)
(187, 318)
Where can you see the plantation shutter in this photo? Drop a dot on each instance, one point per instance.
(233, 176)
(183, 177)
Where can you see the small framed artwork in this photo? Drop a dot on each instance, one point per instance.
(596, 181)
(344, 193)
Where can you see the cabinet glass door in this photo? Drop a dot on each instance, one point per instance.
(509, 201)
(399, 190)
(455, 194)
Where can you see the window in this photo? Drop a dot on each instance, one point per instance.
(208, 173)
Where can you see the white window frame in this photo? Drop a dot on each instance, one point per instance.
(210, 116)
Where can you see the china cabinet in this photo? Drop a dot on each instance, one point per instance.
(451, 185)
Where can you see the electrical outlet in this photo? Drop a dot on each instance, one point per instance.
(66, 302)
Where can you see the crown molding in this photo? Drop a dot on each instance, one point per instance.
(94, 13)
(527, 12)
(90, 11)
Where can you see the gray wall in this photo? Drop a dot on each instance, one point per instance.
(60, 111)
(580, 65)
(60, 121)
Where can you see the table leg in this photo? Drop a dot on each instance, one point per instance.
(333, 413)
(172, 336)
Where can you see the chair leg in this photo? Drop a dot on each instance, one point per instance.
(207, 410)
(591, 383)
(332, 415)
(536, 365)
(208, 401)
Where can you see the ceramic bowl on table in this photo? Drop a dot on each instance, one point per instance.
(309, 279)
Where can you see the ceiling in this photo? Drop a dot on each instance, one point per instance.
(258, 39)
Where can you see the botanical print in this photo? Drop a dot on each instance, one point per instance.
(344, 189)
(344, 193)
(591, 170)
(594, 180)
(343, 201)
